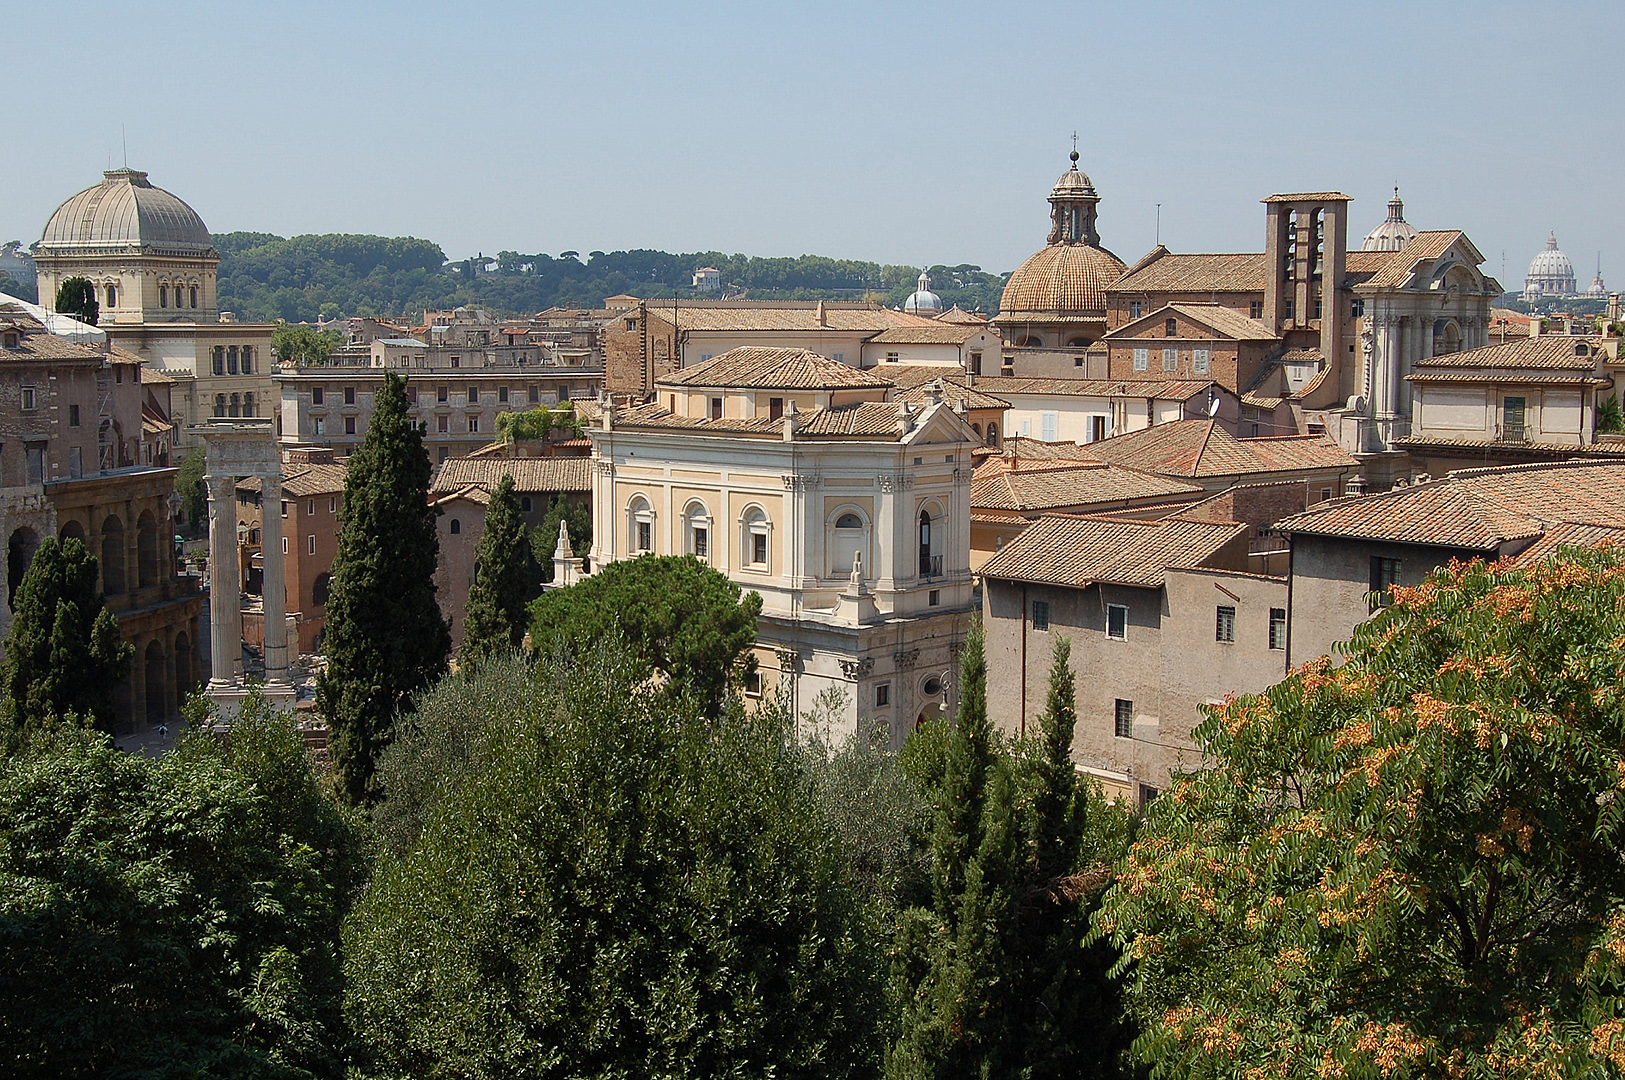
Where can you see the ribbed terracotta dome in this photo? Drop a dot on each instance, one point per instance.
(1061, 281)
(125, 213)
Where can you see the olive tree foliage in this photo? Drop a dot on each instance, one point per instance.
(64, 652)
(627, 884)
(172, 917)
(1408, 865)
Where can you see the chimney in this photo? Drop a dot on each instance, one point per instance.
(1534, 326)
(823, 316)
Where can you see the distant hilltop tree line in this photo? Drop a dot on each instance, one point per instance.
(266, 277)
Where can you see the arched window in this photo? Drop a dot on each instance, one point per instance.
(248, 359)
(236, 405)
(1446, 337)
(248, 404)
(1032, 341)
(194, 297)
(183, 665)
(19, 553)
(640, 526)
(978, 429)
(112, 556)
(146, 548)
(156, 666)
(219, 359)
(930, 561)
(754, 532)
(220, 404)
(993, 435)
(231, 360)
(848, 541)
(320, 589)
(456, 527)
(163, 296)
(697, 531)
(112, 296)
(524, 504)
(1078, 343)
(71, 531)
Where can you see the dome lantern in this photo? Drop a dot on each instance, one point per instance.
(1394, 233)
(1073, 204)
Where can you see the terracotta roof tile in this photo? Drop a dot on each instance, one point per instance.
(1228, 322)
(1009, 484)
(1477, 509)
(1172, 390)
(1237, 272)
(1201, 448)
(1598, 449)
(1310, 196)
(752, 367)
(1077, 551)
(936, 334)
(529, 474)
(1558, 353)
(911, 380)
(1570, 534)
(782, 315)
(1425, 245)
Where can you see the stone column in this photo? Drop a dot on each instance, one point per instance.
(272, 589)
(225, 599)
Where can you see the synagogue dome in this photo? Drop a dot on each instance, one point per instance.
(125, 213)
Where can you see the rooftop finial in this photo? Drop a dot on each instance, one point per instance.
(1074, 149)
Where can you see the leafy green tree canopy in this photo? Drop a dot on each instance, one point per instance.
(386, 639)
(1409, 865)
(633, 887)
(76, 296)
(171, 917)
(304, 345)
(189, 486)
(64, 653)
(544, 539)
(677, 615)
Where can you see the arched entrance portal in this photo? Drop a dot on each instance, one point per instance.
(183, 667)
(155, 671)
(19, 553)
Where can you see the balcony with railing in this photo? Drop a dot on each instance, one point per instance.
(930, 565)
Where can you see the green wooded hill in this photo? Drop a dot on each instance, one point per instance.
(266, 277)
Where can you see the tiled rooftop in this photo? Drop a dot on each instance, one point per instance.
(780, 315)
(1555, 353)
(1076, 551)
(1201, 448)
(1427, 245)
(1001, 483)
(911, 380)
(1477, 509)
(1228, 322)
(1168, 390)
(1163, 271)
(529, 474)
(755, 368)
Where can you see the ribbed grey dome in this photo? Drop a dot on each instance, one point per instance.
(125, 213)
(1393, 234)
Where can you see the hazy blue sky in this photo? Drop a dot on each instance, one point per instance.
(927, 132)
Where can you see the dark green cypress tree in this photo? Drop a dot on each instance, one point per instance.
(76, 296)
(495, 618)
(385, 639)
(64, 653)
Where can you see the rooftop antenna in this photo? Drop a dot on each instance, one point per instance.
(1074, 146)
(1159, 223)
(125, 142)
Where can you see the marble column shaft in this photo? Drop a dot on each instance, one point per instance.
(272, 588)
(225, 597)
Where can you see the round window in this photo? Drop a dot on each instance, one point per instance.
(933, 686)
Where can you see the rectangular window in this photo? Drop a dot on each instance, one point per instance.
(1135, 309)
(645, 536)
(1225, 626)
(753, 684)
(1142, 359)
(502, 395)
(35, 452)
(934, 598)
(1277, 628)
(716, 408)
(316, 395)
(349, 425)
(310, 544)
(839, 358)
(1050, 422)
(1325, 494)
(443, 395)
(975, 363)
(1040, 614)
(1288, 306)
(310, 507)
(349, 395)
(73, 416)
(535, 394)
(1170, 359)
(412, 394)
(444, 425)
(318, 426)
(473, 395)
(284, 545)
(332, 504)
(758, 549)
(1117, 621)
(891, 358)
(30, 399)
(473, 424)
(775, 408)
(76, 462)
(457, 361)
(1124, 719)
(284, 507)
(1199, 361)
(882, 695)
(702, 543)
(1255, 310)
(1097, 428)
(1357, 309)
(1384, 575)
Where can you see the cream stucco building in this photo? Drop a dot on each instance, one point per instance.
(801, 479)
(155, 269)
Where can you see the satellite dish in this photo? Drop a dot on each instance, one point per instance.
(1213, 405)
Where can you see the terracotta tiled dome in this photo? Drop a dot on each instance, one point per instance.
(1061, 281)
